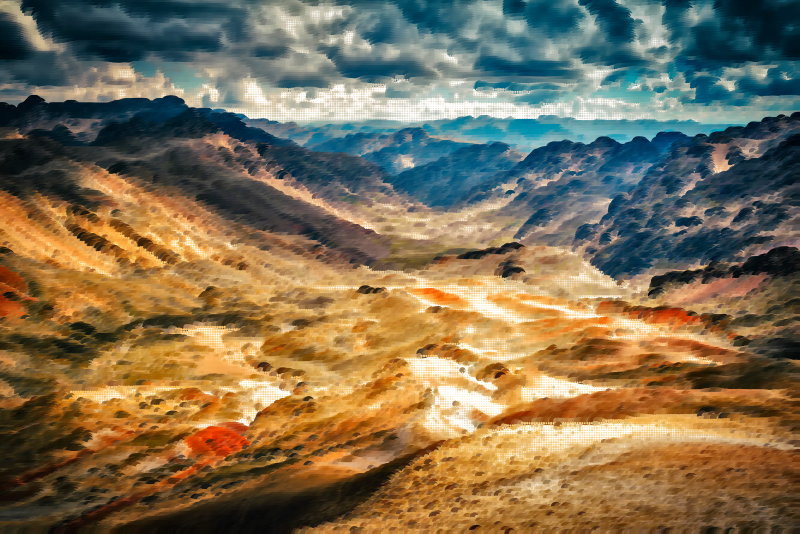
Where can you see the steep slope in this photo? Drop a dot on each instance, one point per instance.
(199, 171)
(715, 198)
(233, 125)
(63, 211)
(168, 144)
(561, 186)
(356, 144)
(393, 152)
(330, 174)
(335, 177)
(191, 123)
(443, 182)
(264, 167)
(314, 134)
(758, 297)
(192, 172)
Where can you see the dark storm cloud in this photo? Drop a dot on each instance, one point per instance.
(447, 17)
(276, 45)
(499, 43)
(371, 69)
(388, 21)
(291, 81)
(611, 55)
(731, 34)
(641, 30)
(42, 69)
(375, 68)
(675, 18)
(378, 29)
(613, 18)
(539, 97)
(660, 53)
(13, 44)
(708, 90)
(714, 44)
(772, 25)
(614, 77)
(552, 18)
(322, 29)
(437, 16)
(20, 62)
(129, 31)
(736, 31)
(270, 51)
(380, 24)
(513, 8)
(513, 86)
(154, 10)
(779, 81)
(497, 66)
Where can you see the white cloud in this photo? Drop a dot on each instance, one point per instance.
(298, 41)
(107, 81)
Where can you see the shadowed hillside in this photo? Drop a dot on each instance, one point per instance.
(714, 198)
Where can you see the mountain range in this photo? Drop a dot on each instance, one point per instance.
(216, 324)
(627, 207)
(521, 134)
(713, 198)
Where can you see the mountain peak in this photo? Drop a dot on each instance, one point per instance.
(171, 99)
(664, 140)
(605, 141)
(30, 102)
(414, 134)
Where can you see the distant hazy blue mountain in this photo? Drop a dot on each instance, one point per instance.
(521, 134)
(394, 152)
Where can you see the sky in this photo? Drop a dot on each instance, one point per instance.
(712, 61)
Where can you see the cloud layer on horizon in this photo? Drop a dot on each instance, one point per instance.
(413, 60)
